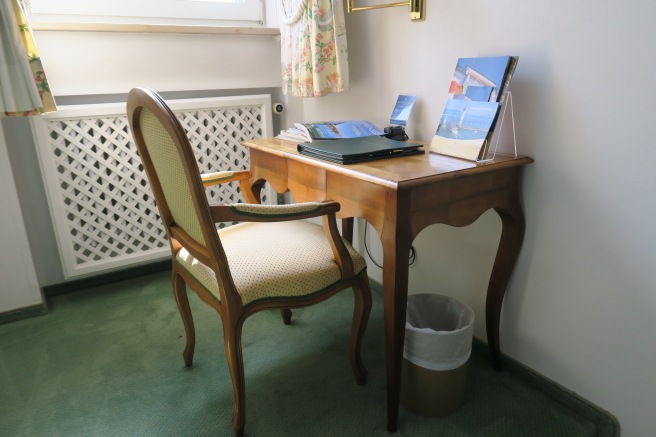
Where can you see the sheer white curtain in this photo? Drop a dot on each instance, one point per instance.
(24, 88)
(314, 50)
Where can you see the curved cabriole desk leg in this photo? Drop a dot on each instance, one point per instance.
(347, 229)
(512, 236)
(396, 239)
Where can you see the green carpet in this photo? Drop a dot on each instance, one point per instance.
(107, 362)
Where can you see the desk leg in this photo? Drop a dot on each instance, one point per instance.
(396, 248)
(512, 236)
(347, 229)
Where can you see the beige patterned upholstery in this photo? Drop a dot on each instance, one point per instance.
(282, 259)
(171, 175)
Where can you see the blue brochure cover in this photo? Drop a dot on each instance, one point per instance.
(479, 79)
(402, 109)
(463, 128)
(340, 129)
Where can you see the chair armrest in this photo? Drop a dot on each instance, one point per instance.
(223, 177)
(249, 212)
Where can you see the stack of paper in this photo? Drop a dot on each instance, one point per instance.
(329, 130)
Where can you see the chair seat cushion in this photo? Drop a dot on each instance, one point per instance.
(274, 261)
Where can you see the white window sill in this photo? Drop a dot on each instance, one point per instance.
(152, 28)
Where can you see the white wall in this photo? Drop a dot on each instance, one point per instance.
(580, 306)
(105, 63)
(18, 287)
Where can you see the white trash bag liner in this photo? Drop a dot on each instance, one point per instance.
(438, 332)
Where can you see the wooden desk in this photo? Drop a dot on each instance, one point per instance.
(399, 197)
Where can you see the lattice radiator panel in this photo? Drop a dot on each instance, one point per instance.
(101, 204)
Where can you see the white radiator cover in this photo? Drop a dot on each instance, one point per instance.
(99, 197)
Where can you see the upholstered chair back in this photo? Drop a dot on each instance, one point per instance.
(171, 174)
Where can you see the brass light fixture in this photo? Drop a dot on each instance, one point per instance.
(417, 8)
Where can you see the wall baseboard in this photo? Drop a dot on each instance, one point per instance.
(106, 278)
(607, 424)
(24, 313)
(81, 284)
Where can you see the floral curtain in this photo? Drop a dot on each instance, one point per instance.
(24, 88)
(314, 51)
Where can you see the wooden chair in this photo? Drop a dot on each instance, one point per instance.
(272, 259)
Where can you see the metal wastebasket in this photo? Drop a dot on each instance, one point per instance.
(438, 341)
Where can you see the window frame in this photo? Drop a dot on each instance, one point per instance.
(244, 13)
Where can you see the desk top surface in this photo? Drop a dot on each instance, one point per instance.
(392, 171)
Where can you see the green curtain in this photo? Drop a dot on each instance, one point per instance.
(24, 88)
(314, 51)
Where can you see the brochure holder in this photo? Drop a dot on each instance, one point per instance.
(478, 152)
(487, 157)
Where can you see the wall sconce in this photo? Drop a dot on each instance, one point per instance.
(417, 8)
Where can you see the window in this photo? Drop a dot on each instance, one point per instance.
(246, 13)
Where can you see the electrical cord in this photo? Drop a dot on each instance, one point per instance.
(412, 258)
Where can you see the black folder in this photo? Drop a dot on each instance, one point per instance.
(354, 150)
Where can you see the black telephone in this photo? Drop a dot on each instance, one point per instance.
(396, 133)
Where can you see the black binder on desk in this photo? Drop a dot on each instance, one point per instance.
(354, 150)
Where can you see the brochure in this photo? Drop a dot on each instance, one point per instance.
(330, 130)
(402, 109)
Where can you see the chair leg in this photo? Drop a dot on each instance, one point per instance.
(180, 292)
(286, 316)
(361, 311)
(232, 338)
